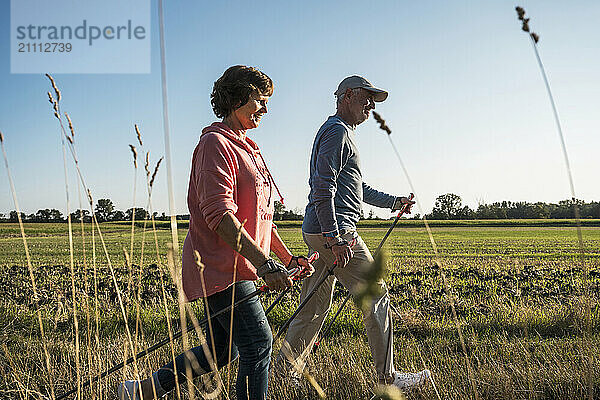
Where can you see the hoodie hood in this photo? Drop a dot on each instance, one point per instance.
(247, 144)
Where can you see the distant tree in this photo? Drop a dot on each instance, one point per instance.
(104, 209)
(2, 217)
(43, 215)
(76, 216)
(118, 215)
(13, 216)
(371, 214)
(140, 213)
(278, 212)
(56, 215)
(449, 206)
(591, 210)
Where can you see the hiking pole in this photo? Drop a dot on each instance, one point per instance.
(310, 295)
(341, 307)
(295, 274)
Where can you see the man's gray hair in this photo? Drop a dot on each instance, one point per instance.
(341, 96)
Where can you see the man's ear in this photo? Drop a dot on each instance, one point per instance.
(348, 94)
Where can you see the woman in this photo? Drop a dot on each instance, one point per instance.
(230, 199)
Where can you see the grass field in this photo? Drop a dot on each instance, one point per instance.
(520, 298)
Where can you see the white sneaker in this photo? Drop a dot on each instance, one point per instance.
(129, 390)
(406, 381)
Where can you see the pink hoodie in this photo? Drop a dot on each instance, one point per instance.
(228, 174)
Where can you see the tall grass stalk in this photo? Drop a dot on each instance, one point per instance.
(86, 304)
(133, 211)
(238, 247)
(437, 259)
(182, 317)
(150, 185)
(36, 296)
(57, 114)
(95, 223)
(534, 39)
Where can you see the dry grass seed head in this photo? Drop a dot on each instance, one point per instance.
(155, 171)
(53, 102)
(70, 126)
(134, 152)
(147, 164)
(54, 87)
(382, 124)
(535, 37)
(139, 135)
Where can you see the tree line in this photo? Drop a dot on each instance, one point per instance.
(104, 210)
(447, 206)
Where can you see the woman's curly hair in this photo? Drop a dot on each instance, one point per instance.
(234, 88)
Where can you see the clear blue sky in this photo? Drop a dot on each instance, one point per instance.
(467, 105)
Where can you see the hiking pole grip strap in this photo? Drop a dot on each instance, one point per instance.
(296, 273)
(270, 266)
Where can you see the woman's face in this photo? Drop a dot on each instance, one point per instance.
(249, 114)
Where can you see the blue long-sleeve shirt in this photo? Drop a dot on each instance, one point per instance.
(336, 187)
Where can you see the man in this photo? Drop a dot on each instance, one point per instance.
(329, 227)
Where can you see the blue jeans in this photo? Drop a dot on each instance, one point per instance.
(252, 341)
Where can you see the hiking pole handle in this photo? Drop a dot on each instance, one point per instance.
(391, 228)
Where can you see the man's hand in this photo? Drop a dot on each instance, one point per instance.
(400, 202)
(342, 252)
(277, 281)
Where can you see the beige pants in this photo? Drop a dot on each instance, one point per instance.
(304, 329)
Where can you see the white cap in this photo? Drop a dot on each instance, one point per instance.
(355, 81)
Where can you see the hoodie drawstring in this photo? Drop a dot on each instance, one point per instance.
(271, 180)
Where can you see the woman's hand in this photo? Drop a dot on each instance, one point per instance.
(277, 281)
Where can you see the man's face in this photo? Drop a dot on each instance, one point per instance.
(360, 106)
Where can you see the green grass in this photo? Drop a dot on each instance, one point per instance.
(519, 289)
